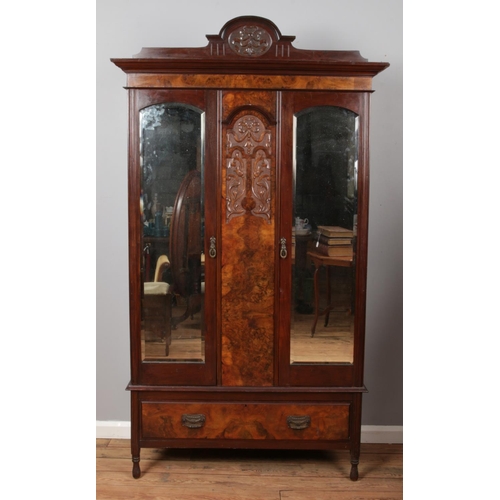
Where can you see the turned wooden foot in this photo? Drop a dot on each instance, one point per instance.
(136, 469)
(354, 470)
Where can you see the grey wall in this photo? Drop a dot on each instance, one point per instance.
(372, 27)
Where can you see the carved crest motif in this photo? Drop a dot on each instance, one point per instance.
(250, 132)
(248, 142)
(250, 41)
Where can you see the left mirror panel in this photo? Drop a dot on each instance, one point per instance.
(172, 216)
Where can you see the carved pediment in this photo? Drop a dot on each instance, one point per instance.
(249, 44)
(250, 37)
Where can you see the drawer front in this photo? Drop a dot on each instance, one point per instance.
(245, 421)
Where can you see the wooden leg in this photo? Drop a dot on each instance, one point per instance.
(316, 300)
(354, 468)
(134, 434)
(136, 469)
(193, 306)
(355, 436)
(168, 323)
(328, 295)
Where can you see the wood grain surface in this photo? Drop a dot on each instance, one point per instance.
(248, 241)
(282, 82)
(245, 421)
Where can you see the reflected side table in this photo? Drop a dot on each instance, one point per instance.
(320, 260)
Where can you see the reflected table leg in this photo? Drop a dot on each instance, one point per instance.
(328, 308)
(316, 299)
(324, 261)
(328, 295)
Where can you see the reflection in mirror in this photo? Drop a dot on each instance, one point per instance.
(172, 326)
(324, 235)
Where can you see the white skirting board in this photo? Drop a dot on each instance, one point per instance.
(391, 434)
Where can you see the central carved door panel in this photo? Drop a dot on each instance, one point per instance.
(248, 232)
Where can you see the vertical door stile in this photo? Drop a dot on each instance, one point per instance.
(281, 232)
(285, 188)
(220, 214)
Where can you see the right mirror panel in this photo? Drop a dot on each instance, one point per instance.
(324, 235)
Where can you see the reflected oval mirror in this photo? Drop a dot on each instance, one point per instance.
(324, 235)
(172, 215)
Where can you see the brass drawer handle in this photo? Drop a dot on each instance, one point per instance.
(298, 422)
(193, 420)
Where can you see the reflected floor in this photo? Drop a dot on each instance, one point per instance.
(186, 343)
(330, 344)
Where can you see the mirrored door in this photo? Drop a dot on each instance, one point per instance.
(172, 218)
(322, 320)
(324, 235)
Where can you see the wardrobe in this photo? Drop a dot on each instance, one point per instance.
(248, 185)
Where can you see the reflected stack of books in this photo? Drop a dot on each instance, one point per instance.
(334, 241)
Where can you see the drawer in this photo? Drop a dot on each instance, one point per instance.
(245, 421)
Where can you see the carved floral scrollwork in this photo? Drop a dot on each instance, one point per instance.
(261, 185)
(235, 185)
(249, 143)
(250, 41)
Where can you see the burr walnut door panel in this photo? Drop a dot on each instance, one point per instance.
(248, 234)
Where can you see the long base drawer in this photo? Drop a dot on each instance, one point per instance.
(165, 420)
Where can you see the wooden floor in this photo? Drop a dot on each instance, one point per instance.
(247, 474)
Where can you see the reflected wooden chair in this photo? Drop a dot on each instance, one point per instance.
(186, 246)
(157, 305)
